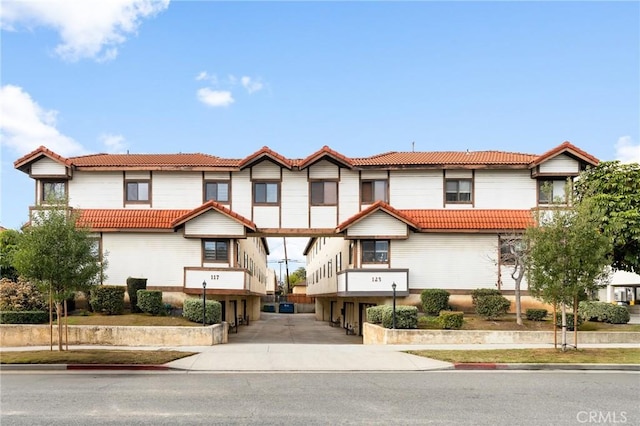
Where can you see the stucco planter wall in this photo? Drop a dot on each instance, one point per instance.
(376, 335)
(39, 335)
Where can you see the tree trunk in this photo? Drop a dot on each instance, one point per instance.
(59, 313)
(50, 319)
(518, 302)
(66, 325)
(575, 322)
(555, 327)
(564, 326)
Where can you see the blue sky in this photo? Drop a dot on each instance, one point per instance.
(227, 78)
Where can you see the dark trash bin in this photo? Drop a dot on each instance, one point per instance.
(286, 308)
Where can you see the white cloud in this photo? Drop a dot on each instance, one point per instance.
(87, 29)
(114, 143)
(25, 125)
(215, 98)
(627, 151)
(202, 76)
(250, 84)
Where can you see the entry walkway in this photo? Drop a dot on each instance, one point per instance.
(292, 328)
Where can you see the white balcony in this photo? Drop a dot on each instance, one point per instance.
(221, 281)
(373, 282)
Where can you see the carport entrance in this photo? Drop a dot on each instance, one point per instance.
(292, 328)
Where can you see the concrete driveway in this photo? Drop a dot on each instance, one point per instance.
(292, 328)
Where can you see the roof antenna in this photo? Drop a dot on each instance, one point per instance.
(127, 152)
(413, 146)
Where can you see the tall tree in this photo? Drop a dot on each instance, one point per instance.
(513, 257)
(613, 192)
(57, 254)
(9, 239)
(568, 257)
(298, 276)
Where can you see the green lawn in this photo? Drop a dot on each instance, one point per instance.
(92, 356)
(546, 355)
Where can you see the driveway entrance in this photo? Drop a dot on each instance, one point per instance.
(292, 328)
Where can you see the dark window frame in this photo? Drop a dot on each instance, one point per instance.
(44, 193)
(217, 258)
(216, 183)
(542, 196)
(321, 185)
(458, 193)
(369, 196)
(266, 184)
(128, 182)
(378, 256)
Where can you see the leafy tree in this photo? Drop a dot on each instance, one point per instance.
(568, 257)
(513, 253)
(58, 255)
(298, 276)
(612, 190)
(9, 239)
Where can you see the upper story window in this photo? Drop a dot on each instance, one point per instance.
(54, 190)
(216, 191)
(552, 191)
(215, 250)
(374, 190)
(458, 190)
(375, 251)
(266, 193)
(138, 191)
(324, 193)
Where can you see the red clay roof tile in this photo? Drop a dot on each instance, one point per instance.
(565, 147)
(40, 151)
(325, 151)
(212, 205)
(470, 219)
(129, 218)
(265, 152)
(378, 205)
(446, 158)
(152, 160)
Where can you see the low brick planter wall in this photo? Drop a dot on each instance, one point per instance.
(376, 335)
(39, 335)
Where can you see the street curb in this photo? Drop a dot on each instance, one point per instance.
(552, 366)
(63, 367)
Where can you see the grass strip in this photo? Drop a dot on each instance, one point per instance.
(92, 356)
(533, 356)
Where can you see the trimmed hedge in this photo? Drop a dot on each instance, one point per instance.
(150, 302)
(536, 314)
(23, 317)
(481, 292)
(450, 320)
(374, 313)
(20, 296)
(133, 285)
(569, 320)
(406, 317)
(434, 300)
(192, 310)
(492, 307)
(108, 299)
(603, 312)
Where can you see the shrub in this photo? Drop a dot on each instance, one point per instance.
(192, 310)
(20, 296)
(434, 300)
(23, 317)
(492, 307)
(430, 323)
(481, 292)
(406, 317)
(536, 314)
(603, 312)
(108, 299)
(451, 320)
(569, 320)
(150, 302)
(374, 313)
(133, 285)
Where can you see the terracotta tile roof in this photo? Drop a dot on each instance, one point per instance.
(378, 205)
(325, 152)
(470, 219)
(212, 205)
(446, 158)
(569, 148)
(152, 160)
(265, 152)
(115, 219)
(35, 154)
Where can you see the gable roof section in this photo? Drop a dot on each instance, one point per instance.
(265, 153)
(470, 219)
(326, 153)
(565, 148)
(212, 205)
(24, 161)
(120, 219)
(377, 206)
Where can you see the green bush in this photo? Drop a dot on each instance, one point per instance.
(374, 313)
(20, 296)
(536, 314)
(451, 320)
(569, 320)
(192, 310)
(406, 317)
(108, 299)
(481, 292)
(492, 307)
(23, 317)
(150, 302)
(133, 285)
(434, 300)
(431, 323)
(603, 312)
